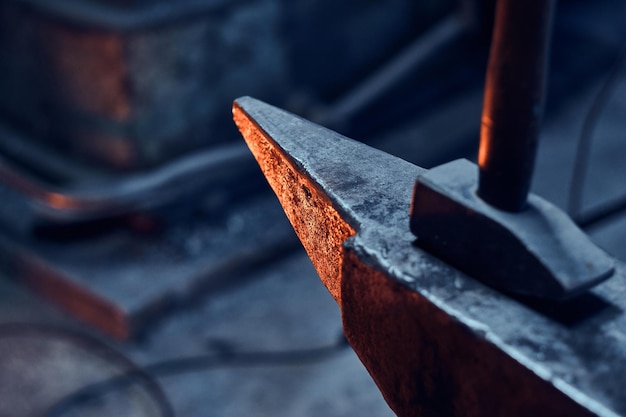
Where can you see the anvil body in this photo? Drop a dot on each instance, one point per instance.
(436, 341)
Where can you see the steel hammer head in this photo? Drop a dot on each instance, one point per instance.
(537, 252)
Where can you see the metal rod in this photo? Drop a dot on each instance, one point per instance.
(407, 62)
(513, 103)
(87, 201)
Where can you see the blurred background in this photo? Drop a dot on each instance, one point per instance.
(136, 229)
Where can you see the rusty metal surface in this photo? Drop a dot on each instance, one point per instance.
(436, 341)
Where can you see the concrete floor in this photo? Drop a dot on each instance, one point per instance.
(282, 307)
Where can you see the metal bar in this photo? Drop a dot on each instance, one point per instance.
(601, 214)
(585, 139)
(513, 104)
(442, 34)
(89, 201)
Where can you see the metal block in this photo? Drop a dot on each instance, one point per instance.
(122, 279)
(436, 341)
(537, 252)
(132, 87)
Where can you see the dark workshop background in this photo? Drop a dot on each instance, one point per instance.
(98, 97)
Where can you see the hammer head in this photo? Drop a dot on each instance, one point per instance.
(538, 252)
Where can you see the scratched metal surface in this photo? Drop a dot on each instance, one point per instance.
(580, 348)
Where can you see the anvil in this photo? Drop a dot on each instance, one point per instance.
(436, 341)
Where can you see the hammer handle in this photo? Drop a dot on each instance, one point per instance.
(513, 102)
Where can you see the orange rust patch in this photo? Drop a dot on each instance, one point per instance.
(315, 220)
(89, 69)
(80, 302)
(427, 364)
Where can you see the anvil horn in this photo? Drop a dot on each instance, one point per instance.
(330, 186)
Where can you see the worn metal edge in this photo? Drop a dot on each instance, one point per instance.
(286, 182)
(370, 259)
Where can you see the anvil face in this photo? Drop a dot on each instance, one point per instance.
(437, 342)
